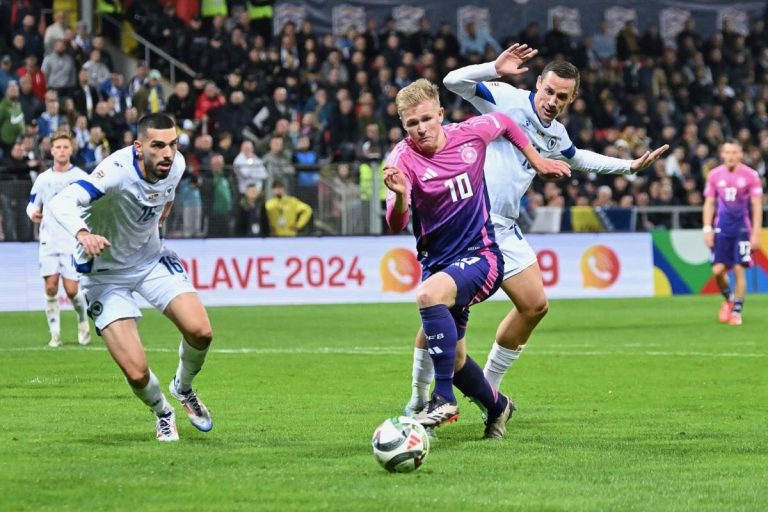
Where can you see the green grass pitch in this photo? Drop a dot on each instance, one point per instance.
(646, 404)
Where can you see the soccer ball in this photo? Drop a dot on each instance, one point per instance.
(400, 444)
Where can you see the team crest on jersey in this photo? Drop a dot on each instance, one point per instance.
(551, 143)
(740, 182)
(468, 154)
(168, 191)
(99, 173)
(721, 183)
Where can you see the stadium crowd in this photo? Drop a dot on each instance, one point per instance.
(263, 106)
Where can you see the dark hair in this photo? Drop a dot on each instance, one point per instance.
(157, 121)
(563, 69)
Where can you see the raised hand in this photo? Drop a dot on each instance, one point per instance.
(638, 164)
(509, 61)
(394, 179)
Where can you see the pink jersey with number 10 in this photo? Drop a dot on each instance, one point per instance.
(446, 191)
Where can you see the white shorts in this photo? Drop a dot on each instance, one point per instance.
(61, 263)
(518, 255)
(110, 295)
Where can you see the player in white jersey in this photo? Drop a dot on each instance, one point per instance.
(508, 175)
(56, 245)
(115, 214)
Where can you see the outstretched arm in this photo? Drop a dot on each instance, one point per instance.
(462, 81)
(589, 161)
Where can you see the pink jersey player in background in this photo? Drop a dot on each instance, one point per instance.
(727, 227)
(436, 175)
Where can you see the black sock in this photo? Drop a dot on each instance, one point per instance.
(471, 381)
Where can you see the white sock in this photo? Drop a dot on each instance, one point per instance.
(423, 373)
(52, 313)
(499, 361)
(190, 362)
(153, 396)
(78, 302)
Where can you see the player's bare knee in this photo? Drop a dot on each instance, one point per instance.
(426, 297)
(137, 377)
(535, 310)
(51, 291)
(200, 337)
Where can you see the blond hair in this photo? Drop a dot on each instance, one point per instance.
(413, 94)
(62, 134)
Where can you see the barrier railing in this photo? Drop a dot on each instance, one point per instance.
(150, 50)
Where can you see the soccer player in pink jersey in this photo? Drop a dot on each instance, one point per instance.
(727, 227)
(436, 174)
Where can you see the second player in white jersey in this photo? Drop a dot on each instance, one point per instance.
(56, 244)
(507, 172)
(54, 239)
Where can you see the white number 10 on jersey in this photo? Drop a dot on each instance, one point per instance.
(460, 187)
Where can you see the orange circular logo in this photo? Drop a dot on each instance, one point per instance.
(400, 270)
(599, 267)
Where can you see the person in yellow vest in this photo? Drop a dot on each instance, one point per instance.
(286, 214)
(211, 8)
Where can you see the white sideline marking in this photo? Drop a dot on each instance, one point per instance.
(391, 351)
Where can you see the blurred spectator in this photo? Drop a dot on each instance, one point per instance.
(18, 51)
(215, 62)
(277, 164)
(6, 74)
(150, 98)
(626, 41)
(190, 203)
(603, 42)
(211, 98)
(31, 105)
(650, 44)
(50, 120)
(11, 117)
(115, 88)
(474, 41)
(36, 76)
(249, 168)
(222, 204)
(251, 215)
(98, 43)
(304, 154)
(59, 68)
(55, 31)
(95, 149)
(371, 147)
(98, 72)
(277, 108)
(14, 166)
(287, 215)
(343, 130)
(140, 79)
(181, 105)
(33, 42)
(233, 116)
(556, 41)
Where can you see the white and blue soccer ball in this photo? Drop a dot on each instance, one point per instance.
(400, 444)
